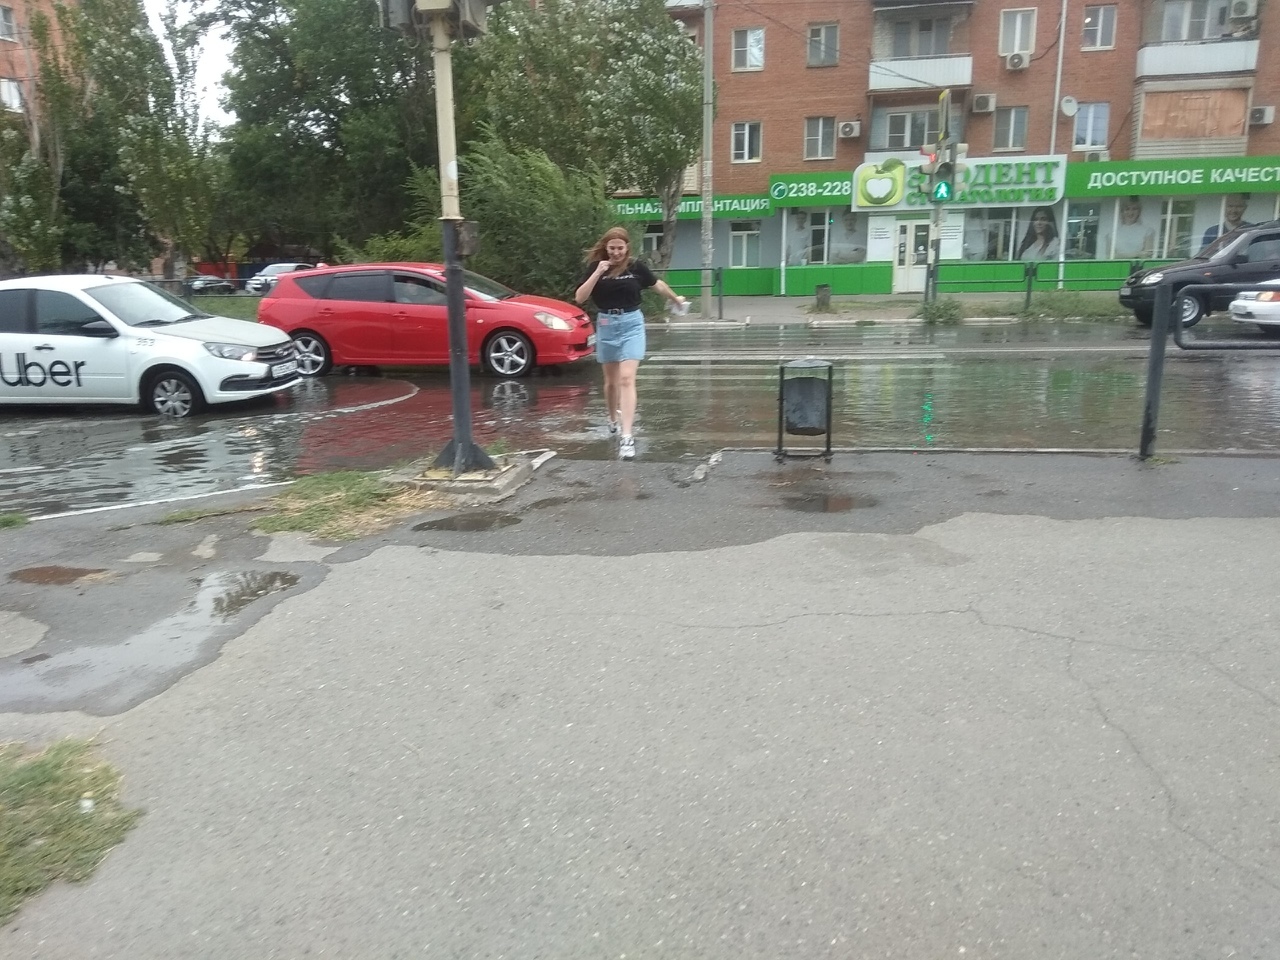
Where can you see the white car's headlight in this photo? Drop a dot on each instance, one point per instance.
(551, 321)
(1266, 296)
(232, 351)
(1153, 277)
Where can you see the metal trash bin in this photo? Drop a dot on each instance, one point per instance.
(804, 405)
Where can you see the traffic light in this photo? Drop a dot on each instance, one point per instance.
(942, 185)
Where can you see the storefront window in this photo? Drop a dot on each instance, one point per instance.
(1082, 231)
(744, 243)
(988, 234)
(652, 238)
(819, 233)
(1176, 227)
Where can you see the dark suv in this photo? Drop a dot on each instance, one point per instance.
(1247, 255)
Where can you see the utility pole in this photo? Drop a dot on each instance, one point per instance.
(461, 453)
(708, 107)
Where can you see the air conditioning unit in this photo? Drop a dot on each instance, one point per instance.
(1243, 9)
(1261, 115)
(848, 129)
(1097, 156)
(983, 103)
(1017, 61)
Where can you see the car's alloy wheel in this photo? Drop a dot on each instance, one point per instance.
(508, 354)
(314, 357)
(172, 393)
(1189, 310)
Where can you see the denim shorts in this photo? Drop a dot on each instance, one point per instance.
(619, 336)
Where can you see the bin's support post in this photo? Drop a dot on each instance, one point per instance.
(1029, 270)
(778, 454)
(830, 373)
(719, 293)
(1155, 368)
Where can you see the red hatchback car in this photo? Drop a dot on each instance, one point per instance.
(395, 314)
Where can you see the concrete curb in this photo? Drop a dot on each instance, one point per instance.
(510, 474)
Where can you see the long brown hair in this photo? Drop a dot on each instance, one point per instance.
(598, 251)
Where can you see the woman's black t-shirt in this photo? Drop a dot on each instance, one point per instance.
(621, 292)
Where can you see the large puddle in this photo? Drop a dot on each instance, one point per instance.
(1012, 386)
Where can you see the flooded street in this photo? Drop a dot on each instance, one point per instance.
(989, 386)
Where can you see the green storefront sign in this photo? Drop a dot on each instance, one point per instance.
(811, 189)
(988, 182)
(1179, 176)
(730, 205)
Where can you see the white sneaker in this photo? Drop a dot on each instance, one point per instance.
(627, 449)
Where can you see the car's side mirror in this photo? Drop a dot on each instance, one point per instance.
(98, 328)
(1240, 258)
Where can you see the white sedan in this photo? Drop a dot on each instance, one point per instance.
(1261, 307)
(99, 339)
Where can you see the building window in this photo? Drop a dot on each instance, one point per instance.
(824, 45)
(748, 49)
(746, 142)
(819, 234)
(1082, 231)
(819, 138)
(8, 30)
(914, 129)
(1175, 229)
(1099, 28)
(1195, 19)
(651, 240)
(922, 38)
(1091, 126)
(1011, 128)
(1017, 31)
(744, 243)
(11, 95)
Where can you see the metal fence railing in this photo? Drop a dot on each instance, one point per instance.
(1164, 319)
(1047, 274)
(693, 290)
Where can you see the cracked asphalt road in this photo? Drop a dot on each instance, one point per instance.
(901, 706)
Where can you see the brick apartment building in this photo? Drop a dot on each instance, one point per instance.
(18, 56)
(1127, 127)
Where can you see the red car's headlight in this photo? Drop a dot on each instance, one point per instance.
(551, 321)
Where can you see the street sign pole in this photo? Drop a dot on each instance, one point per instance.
(946, 148)
(461, 454)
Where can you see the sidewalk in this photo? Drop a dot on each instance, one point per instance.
(999, 707)
(765, 311)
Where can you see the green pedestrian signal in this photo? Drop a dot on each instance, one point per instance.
(943, 188)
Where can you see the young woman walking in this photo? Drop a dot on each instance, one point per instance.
(614, 281)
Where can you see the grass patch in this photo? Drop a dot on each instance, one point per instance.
(944, 310)
(44, 834)
(225, 305)
(345, 505)
(12, 520)
(1056, 305)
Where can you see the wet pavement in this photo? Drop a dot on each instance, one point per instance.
(912, 704)
(1068, 386)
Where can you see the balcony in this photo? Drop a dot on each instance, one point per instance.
(921, 73)
(1196, 59)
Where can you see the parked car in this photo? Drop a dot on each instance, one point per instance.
(1247, 255)
(204, 283)
(395, 314)
(266, 278)
(1259, 306)
(101, 339)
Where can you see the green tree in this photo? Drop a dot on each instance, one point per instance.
(332, 113)
(612, 84)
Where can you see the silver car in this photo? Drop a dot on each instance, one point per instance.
(1261, 307)
(266, 278)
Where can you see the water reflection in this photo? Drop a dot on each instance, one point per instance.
(1072, 400)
